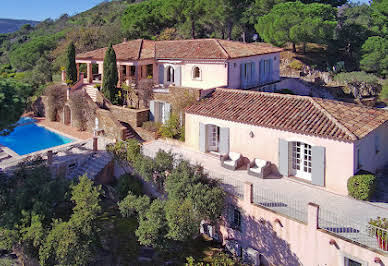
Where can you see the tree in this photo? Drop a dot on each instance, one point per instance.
(296, 23)
(75, 242)
(110, 74)
(70, 65)
(42, 72)
(375, 55)
(153, 227)
(13, 98)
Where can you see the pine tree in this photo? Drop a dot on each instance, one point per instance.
(70, 66)
(110, 76)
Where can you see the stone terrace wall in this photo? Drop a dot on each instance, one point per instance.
(112, 127)
(134, 117)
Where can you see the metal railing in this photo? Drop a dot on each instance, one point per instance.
(360, 232)
(229, 184)
(280, 203)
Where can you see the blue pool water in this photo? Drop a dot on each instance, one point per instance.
(27, 137)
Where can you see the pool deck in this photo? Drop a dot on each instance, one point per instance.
(57, 127)
(60, 128)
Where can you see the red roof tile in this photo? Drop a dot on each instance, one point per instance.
(183, 49)
(299, 114)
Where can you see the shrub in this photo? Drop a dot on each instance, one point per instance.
(384, 91)
(151, 126)
(361, 186)
(359, 83)
(172, 129)
(144, 166)
(128, 183)
(296, 65)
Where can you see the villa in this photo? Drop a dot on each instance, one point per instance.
(198, 65)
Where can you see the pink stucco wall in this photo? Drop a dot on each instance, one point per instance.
(234, 68)
(265, 143)
(285, 241)
(213, 75)
(370, 159)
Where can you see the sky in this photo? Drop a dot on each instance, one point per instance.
(42, 9)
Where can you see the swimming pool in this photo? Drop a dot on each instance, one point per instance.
(28, 137)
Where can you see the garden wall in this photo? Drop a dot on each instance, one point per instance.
(134, 117)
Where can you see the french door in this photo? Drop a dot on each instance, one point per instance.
(213, 138)
(301, 160)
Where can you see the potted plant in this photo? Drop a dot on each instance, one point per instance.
(379, 228)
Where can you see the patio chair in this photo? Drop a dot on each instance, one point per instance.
(231, 161)
(259, 168)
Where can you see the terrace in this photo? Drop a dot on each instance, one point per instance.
(340, 215)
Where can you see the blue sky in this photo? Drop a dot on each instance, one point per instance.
(42, 9)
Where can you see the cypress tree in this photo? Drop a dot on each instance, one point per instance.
(110, 76)
(70, 66)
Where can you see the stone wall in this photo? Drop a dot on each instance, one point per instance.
(111, 126)
(134, 117)
(177, 95)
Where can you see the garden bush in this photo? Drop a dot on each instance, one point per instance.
(361, 186)
(128, 183)
(172, 129)
(296, 65)
(151, 126)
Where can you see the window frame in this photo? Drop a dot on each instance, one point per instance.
(193, 73)
(345, 257)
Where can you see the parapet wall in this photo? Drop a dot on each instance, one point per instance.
(282, 240)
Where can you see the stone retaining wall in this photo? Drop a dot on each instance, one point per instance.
(134, 117)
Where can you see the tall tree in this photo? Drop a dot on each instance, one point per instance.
(375, 55)
(110, 74)
(13, 98)
(295, 22)
(70, 66)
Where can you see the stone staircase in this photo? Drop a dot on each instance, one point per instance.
(130, 133)
(91, 91)
(92, 166)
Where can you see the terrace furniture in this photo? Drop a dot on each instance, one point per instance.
(259, 168)
(231, 161)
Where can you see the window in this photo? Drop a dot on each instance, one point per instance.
(347, 260)
(214, 138)
(236, 219)
(301, 159)
(170, 74)
(248, 72)
(196, 73)
(133, 71)
(350, 262)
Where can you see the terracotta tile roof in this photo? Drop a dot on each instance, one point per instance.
(183, 49)
(300, 114)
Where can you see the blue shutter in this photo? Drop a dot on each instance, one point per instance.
(161, 74)
(318, 166)
(202, 137)
(242, 78)
(177, 76)
(262, 71)
(224, 140)
(271, 69)
(254, 76)
(152, 111)
(283, 163)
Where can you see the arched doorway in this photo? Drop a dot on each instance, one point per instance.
(66, 115)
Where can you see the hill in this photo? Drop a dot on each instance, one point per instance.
(11, 25)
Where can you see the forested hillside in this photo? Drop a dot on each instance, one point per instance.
(11, 25)
(356, 34)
